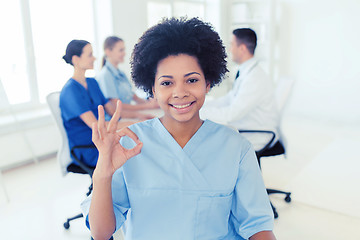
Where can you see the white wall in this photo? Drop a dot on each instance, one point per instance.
(319, 46)
(129, 22)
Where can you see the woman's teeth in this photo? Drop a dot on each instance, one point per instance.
(182, 106)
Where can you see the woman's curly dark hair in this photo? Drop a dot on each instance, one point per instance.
(173, 37)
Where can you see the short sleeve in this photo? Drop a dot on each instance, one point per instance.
(73, 103)
(251, 209)
(120, 200)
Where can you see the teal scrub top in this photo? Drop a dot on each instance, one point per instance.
(210, 189)
(114, 83)
(74, 101)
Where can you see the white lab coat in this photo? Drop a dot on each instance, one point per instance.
(250, 104)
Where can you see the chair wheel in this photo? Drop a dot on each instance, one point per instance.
(66, 225)
(276, 215)
(288, 199)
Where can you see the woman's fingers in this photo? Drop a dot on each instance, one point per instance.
(127, 132)
(101, 121)
(115, 118)
(134, 151)
(137, 149)
(95, 133)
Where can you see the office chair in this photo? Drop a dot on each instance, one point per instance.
(63, 155)
(282, 93)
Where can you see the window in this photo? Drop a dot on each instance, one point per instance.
(52, 30)
(190, 9)
(14, 81)
(158, 10)
(32, 47)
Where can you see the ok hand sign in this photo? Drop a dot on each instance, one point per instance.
(112, 155)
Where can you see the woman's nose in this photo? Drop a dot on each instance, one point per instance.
(180, 91)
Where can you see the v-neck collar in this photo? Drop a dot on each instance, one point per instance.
(79, 84)
(190, 174)
(190, 145)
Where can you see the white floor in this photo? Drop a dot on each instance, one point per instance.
(321, 171)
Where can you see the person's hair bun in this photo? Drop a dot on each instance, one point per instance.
(66, 58)
(74, 48)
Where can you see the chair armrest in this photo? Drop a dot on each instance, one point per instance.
(82, 165)
(267, 145)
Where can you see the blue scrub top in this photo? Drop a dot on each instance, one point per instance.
(210, 189)
(74, 101)
(114, 83)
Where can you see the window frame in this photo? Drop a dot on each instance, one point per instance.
(34, 103)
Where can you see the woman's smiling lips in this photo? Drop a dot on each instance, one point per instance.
(181, 106)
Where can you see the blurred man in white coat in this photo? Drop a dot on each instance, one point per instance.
(250, 104)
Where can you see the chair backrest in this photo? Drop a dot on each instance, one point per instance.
(63, 155)
(283, 91)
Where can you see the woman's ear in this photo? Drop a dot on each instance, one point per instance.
(74, 60)
(207, 87)
(107, 52)
(153, 92)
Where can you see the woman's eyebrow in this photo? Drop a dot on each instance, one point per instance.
(188, 74)
(166, 76)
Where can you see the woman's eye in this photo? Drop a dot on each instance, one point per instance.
(192, 80)
(165, 83)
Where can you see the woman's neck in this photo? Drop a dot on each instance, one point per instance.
(114, 63)
(182, 132)
(79, 76)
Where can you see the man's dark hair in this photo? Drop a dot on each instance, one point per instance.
(246, 36)
(172, 37)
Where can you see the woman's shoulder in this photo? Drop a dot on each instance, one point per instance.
(70, 91)
(224, 132)
(144, 126)
(102, 73)
(92, 82)
(145, 131)
(69, 86)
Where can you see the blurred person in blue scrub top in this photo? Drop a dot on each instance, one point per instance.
(79, 99)
(181, 177)
(115, 85)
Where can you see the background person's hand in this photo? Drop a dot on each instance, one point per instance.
(145, 116)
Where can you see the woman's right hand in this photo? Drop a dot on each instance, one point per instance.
(112, 155)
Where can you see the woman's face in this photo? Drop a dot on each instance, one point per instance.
(86, 60)
(117, 53)
(180, 88)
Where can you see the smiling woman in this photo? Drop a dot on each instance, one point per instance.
(180, 88)
(172, 172)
